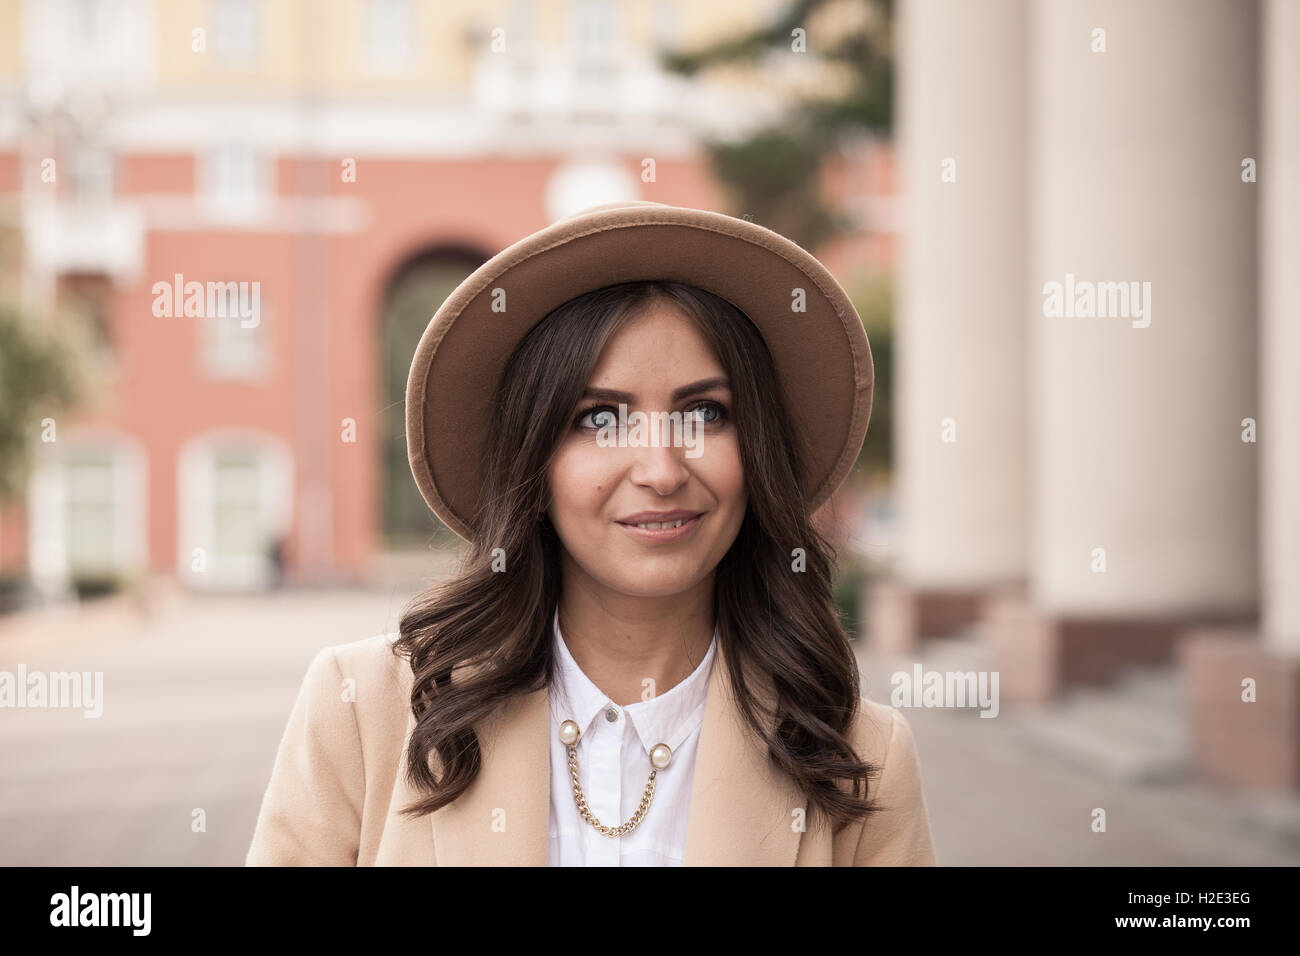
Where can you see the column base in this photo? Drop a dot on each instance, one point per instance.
(1040, 654)
(900, 615)
(1252, 745)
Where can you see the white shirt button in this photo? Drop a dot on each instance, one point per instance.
(611, 714)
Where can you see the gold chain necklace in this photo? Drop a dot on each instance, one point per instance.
(660, 756)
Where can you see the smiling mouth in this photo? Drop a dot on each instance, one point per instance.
(671, 529)
(656, 525)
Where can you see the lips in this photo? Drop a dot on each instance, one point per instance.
(657, 525)
(658, 520)
(662, 527)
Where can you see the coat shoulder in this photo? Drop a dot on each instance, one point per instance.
(898, 832)
(372, 656)
(381, 678)
(873, 729)
(335, 763)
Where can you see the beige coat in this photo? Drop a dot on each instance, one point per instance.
(338, 780)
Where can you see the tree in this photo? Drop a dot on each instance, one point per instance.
(41, 375)
(773, 171)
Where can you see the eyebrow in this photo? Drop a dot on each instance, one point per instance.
(686, 391)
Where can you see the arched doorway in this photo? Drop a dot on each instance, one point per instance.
(415, 291)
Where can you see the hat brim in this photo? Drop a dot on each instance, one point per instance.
(822, 357)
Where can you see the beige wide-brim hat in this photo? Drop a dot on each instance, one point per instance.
(821, 354)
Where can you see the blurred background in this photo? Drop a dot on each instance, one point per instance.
(200, 486)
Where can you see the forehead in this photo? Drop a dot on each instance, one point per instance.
(659, 339)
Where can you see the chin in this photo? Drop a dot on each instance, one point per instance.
(655, 586)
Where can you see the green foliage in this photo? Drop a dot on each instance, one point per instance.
(412, 300)
(43, 373)
(773, 172)
(91, 586)
(848, 581)
(773, 178)
(873, 298)
(12, 588)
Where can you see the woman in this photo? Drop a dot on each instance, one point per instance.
(631, 417)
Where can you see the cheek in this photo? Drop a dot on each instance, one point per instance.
(579, 477)
(723, 472)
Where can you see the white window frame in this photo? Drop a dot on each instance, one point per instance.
(521, 27)
(92, 172)
(220, 362)
(589, 20)
(104, 46)
(666, 23)
(48, 499)
(384, 20)
(195, 474)
(235, 44)
(237, 182)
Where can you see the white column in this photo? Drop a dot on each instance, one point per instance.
(1279, 443)
(1136, 431)
(961, 353)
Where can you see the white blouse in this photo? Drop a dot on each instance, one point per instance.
(614, 765)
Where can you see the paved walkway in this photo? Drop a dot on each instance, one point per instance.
(195, 700)
(994, 799)
(197, 691)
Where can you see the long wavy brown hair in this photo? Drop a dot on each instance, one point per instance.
(790, 663)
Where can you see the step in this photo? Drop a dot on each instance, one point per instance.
(1132, 731)
(956, 654)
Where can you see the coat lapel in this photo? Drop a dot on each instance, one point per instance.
(742, 810)
(742, 807)
(503, 819)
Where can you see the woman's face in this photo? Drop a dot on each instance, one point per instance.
(600, 490)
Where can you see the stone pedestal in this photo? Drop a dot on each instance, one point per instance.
(1252, 744)
(898, 616)
(1040, 655)
(1235, 741)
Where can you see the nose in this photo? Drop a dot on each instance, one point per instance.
(661, 468)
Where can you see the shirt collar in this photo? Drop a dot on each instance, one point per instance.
(668, 718)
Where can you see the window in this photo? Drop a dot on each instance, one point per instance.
(231, 347)
(665, 24)
(234, 31)
(236, 182)
(94, 49)
(388, 33)
(598, 70)
(91, 174)
(595, 27)
(91, 529)
(87, 512)
(235, 505)
(520, 25)
(86, 21)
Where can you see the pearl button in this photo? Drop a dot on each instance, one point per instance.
(611, 715)
(568, 733)
(660, 755)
